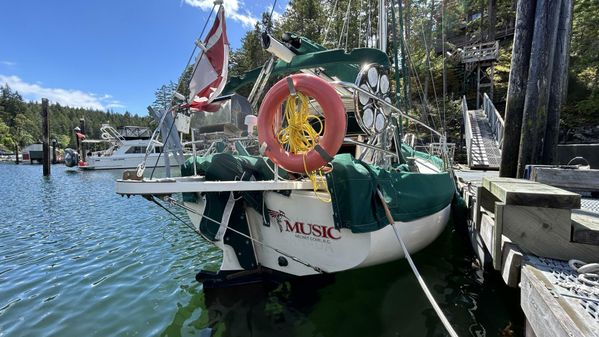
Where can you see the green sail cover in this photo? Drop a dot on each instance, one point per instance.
(409, 195)
(335, 63)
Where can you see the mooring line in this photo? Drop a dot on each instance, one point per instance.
(427, 292)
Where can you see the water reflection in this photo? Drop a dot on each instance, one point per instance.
(378, 301)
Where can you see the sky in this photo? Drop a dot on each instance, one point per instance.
(108, 54)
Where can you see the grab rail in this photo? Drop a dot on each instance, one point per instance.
(467, 129)
(494, 118)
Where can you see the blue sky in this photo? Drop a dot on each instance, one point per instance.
(107, 54)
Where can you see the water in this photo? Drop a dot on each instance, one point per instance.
(78, 260)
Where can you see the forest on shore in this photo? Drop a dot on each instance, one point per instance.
(21, 123)
(351, 24)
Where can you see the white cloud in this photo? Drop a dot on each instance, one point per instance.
(115, 104)
(8, 63)
(233, 10)
(67, 97)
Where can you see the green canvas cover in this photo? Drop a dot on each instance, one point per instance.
(352, 183)
(227, 167)
(335, 63)
(409, 195)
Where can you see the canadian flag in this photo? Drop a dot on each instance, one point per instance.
(211, 66)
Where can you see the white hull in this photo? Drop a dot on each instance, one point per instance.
(307, 232)
(127, 161)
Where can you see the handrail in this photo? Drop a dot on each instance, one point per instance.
(480, 52)
(467, 129)
(110, 134)
(494, 118)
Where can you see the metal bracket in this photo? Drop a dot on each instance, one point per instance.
(292, 90)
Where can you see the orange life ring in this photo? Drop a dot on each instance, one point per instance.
(334, 129)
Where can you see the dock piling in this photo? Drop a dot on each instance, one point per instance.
(45, 138)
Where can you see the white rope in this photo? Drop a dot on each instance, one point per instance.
(588, 286)
(588, 273)
(427, 292)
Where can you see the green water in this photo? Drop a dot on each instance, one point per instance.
(78, 260)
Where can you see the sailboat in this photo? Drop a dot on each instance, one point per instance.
(332, 186)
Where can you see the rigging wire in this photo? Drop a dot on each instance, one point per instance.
(347, 22)
(369, 27)
(430, 70)
(272, 12)
(165, 140)
(360, 25)
(330, 20)
(419, 88)
(443, 32)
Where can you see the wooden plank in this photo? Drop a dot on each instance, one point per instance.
(571, 180)
(525, 193)
(548, 314)
(585, 227)
(544, 232)
(487, 181)
(487, 232)
(511, 261)
(497, 237)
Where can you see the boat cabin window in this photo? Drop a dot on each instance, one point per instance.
(157, 149)
(136, 149)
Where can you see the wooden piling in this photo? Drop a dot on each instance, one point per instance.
(534, 115)
(559, 83)
(17, 154)
(525, 13)
(45, 138)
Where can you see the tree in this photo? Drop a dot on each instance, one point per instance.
(7, 142)
(164, 96)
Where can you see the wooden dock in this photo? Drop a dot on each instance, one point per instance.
(527, 231)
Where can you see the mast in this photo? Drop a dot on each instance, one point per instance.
(382, 26)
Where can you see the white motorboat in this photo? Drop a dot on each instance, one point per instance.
(121, 153)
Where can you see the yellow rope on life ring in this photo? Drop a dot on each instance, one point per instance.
(300, 137)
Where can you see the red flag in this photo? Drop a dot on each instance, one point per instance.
(211, 66)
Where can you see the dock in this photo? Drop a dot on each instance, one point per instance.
(527, 231)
